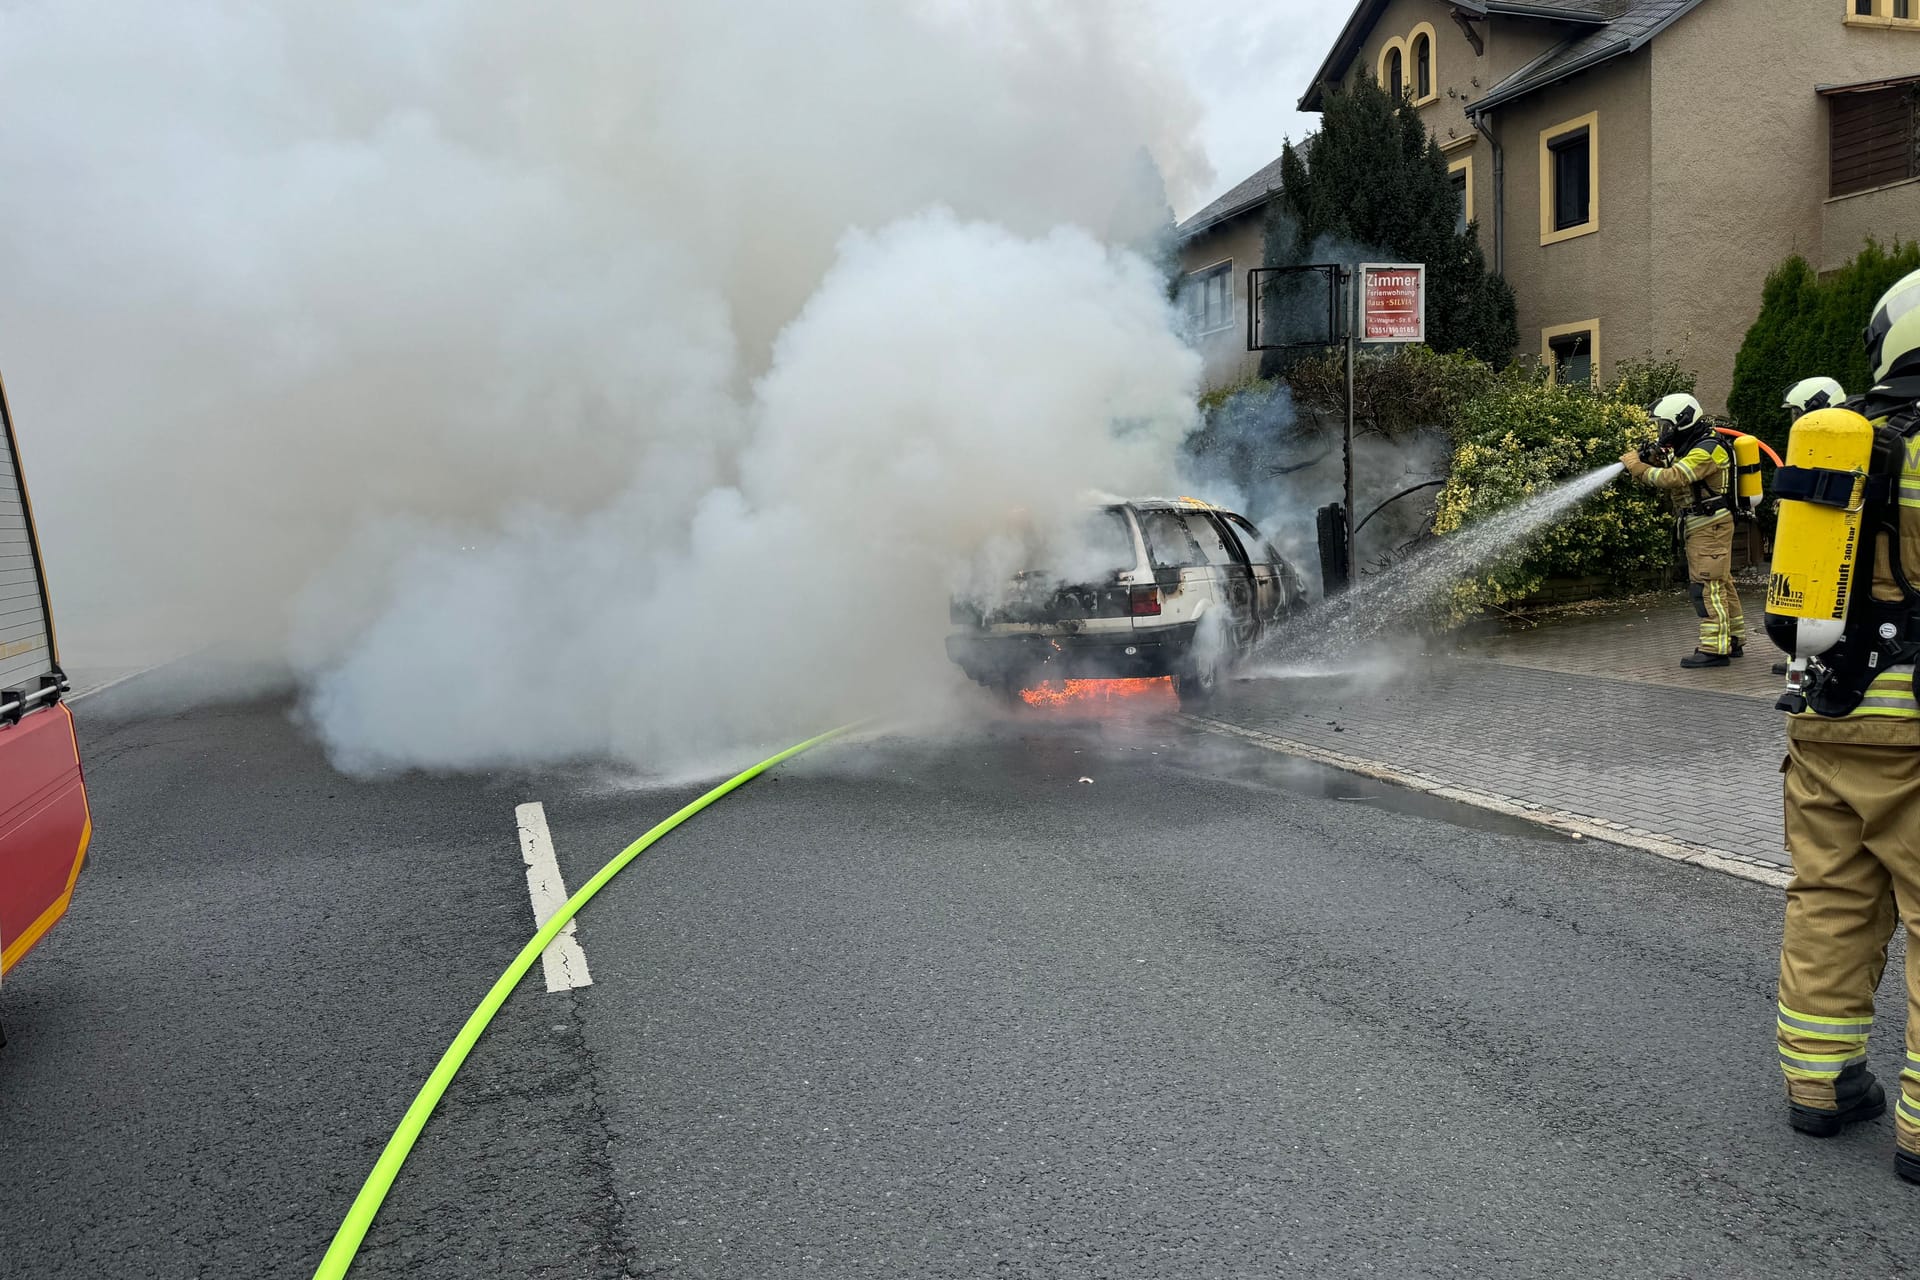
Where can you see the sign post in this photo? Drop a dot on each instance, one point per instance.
(1389, 304)
(1346, 440)
(1383, 302)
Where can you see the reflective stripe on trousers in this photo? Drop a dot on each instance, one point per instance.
(1709, 550)
(1819, 1048)
(1722, 624)
(1907, 1111)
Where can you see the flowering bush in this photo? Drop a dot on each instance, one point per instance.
(1524, 434)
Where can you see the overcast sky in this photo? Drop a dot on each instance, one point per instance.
(1248, 62)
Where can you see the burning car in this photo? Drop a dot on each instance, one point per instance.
(1146, 589)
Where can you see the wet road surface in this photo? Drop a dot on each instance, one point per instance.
(911, 1006)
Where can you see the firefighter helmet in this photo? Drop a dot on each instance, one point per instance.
(1810, 394)
(1893, 335)
(1675, 413)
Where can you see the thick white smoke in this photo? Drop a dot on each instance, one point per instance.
(815, 587)
(548, 382)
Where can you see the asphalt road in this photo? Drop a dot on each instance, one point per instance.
(912, 1006)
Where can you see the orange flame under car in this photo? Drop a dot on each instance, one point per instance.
(1095, 695)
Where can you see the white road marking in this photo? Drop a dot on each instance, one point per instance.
(564, 961)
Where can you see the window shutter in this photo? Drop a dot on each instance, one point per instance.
(1873, 140)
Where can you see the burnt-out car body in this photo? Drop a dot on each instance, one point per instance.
(1161, 587)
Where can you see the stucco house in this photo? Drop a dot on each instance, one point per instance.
(1635, 168)
(1218, 246)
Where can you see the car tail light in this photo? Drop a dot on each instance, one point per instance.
(1144, 602)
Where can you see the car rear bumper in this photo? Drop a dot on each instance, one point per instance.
(1025, 656)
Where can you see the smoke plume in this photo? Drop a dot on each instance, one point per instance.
(552, 383)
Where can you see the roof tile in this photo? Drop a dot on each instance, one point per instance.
(1263, 182)
(1636, 22)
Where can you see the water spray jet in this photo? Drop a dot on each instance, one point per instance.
(1349, 621)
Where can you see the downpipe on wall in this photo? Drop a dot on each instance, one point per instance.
(1499, 193)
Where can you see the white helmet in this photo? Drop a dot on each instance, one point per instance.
(1893, 335)
(1810, 394)
(1676, 412)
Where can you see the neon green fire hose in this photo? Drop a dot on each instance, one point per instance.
(346, 1241)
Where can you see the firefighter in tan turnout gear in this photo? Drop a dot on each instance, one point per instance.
(1697, 471)
(1843, 603)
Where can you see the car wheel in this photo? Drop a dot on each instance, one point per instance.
(1198, 678)
(1197, 687)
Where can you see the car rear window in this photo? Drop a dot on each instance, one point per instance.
(1107, 540)
(1086, 548)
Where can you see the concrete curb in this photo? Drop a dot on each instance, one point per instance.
(1744, 866)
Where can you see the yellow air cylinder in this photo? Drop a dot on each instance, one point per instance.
(1817, 544)
(1746, 465)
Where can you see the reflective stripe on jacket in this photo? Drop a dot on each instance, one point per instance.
(1705, 472)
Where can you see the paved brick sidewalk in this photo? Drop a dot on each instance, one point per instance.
(1645, 644)
(1588, 724)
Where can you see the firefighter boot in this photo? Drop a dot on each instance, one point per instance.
(1857, 1096)
(1700, 658)
(1906, 1164)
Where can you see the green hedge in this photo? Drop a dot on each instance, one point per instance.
(1525, 433)
(1809, 327)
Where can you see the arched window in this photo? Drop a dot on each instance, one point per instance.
(1391, 68)
(1423, 71)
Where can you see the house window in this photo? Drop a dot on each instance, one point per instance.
(1209, 296)
(1572, 187)
(1873, 138)
(1570, 179)
(1425, 75)
(1391, 68)
(1884, 13)
(1570, 351)
(1460, 173)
